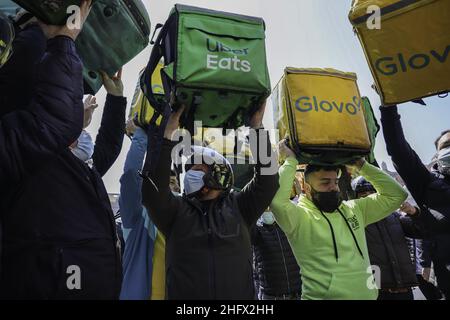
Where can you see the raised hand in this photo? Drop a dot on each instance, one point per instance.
(113, 85)
(90, 104)
(284, 151)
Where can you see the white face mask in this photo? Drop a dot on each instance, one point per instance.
(85, 147)
(268, 218)
(193, 181)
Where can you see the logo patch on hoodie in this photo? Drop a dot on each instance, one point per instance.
(354, 223)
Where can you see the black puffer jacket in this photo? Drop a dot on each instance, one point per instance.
(60, 216)
(45, 127)
(17, 84)
(276, 270)
(57, 217)
(208, 247)
(388, 249)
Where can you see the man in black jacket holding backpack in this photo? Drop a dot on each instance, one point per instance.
(208, 246)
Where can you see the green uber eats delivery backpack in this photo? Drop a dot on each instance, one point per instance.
(214, 64)
(115, 32)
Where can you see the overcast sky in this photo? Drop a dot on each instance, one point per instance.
(300, 33)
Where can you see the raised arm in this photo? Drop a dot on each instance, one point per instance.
(54, 118)
(130, 200)
(108, 143)
(284, 210)
(157, 197)
(406, 161)
(389, 197)
(256, 196)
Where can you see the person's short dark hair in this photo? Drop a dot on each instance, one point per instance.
(443, 133)
(311, 168)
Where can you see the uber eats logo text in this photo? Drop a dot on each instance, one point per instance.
(308, 104)
(390, 66)
(234, 64)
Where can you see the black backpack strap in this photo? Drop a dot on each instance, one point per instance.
(155, 56)
(24, 18)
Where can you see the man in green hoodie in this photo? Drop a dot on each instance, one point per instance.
(327, 235)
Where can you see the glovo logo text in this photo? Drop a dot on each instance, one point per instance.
(390, 66)
(315, 104)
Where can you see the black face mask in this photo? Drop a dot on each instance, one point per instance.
(326, 201)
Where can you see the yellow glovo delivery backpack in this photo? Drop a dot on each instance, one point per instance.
(141, 110)
(321, 112)
(409, 51)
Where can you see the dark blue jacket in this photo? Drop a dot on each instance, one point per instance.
(60, 216)
(57, 217)
(29, 137)
(18, 75)
(45, 127)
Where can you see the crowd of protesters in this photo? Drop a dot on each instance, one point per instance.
(211, 241)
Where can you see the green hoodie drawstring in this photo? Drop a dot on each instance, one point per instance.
(336, 254)
(334, 238)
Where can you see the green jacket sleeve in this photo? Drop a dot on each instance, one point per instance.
(389, 197)
(282, 207)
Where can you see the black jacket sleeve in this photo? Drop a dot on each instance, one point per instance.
(434, 222)
(428, 189)
(161, 204)
(108, 143)
(406, 161)
(52, 121)
(257, 195)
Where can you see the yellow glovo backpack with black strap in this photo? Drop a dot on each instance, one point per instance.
(409, 50)
(322, 114)
(141, 110)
